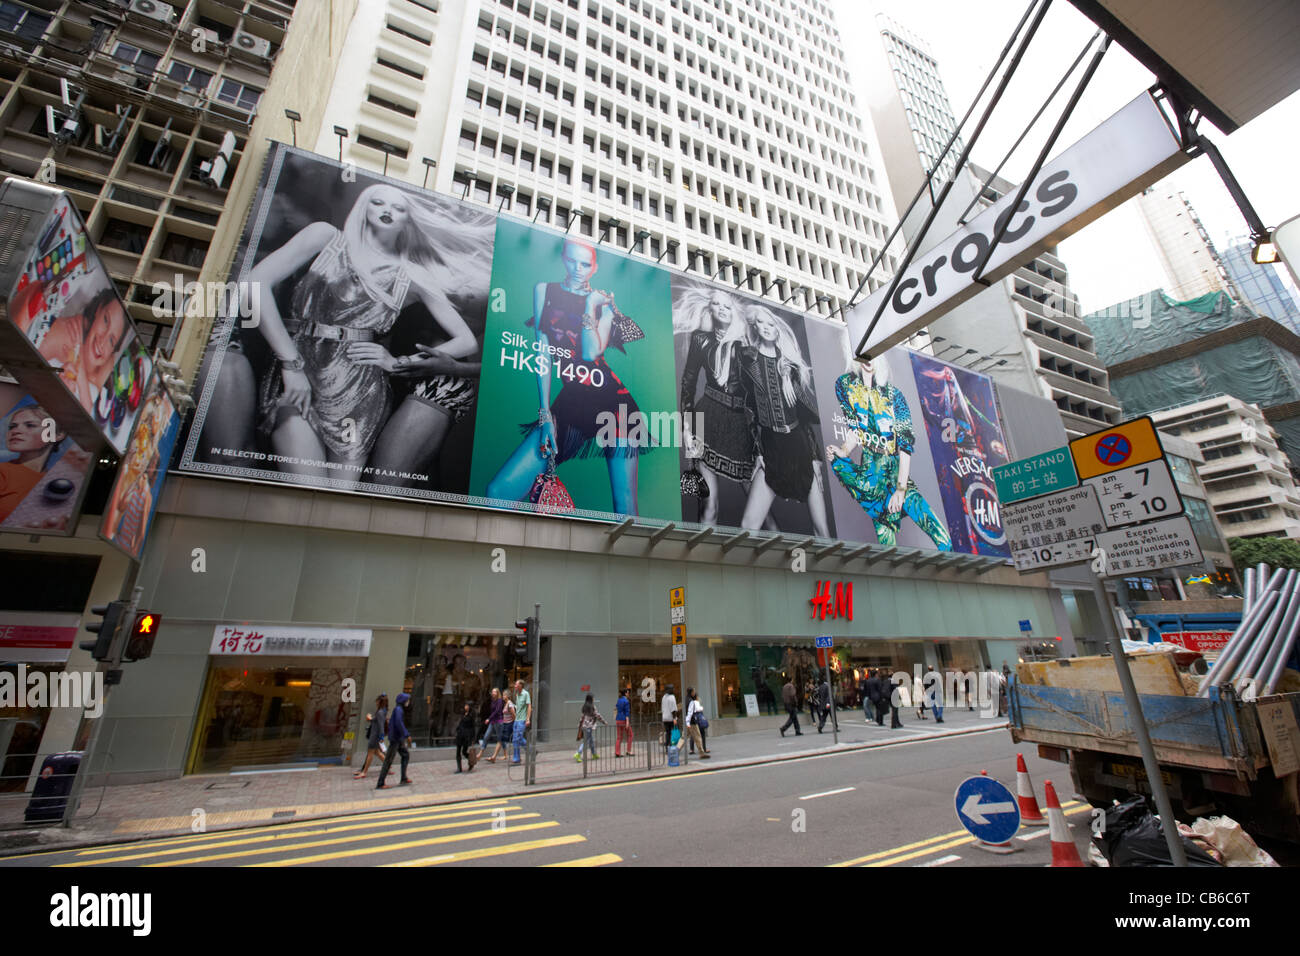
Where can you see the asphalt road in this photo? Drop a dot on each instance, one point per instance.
(891, 806)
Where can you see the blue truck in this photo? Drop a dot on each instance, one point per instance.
(1213, 753)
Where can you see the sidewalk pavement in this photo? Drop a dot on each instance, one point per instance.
(118, 814)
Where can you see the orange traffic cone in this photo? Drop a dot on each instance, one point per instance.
(1030, 815)
(1064, 852)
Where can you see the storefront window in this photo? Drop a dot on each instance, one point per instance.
(265, 711)
(645, 670)
(20, 731)
(446, 671)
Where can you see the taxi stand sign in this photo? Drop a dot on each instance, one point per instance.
(1034, 476)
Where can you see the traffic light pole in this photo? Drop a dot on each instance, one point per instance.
(113, 667)
(530, 759)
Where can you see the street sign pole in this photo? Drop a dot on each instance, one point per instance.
(1134, 705)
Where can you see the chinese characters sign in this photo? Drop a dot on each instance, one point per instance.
(251, 640)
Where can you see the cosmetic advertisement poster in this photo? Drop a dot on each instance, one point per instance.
(43, 472)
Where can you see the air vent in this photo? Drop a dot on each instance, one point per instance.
(13, 226)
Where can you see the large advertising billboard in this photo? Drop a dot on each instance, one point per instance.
(134, 497)
(403, 343)
(74, 324)
(43, 472)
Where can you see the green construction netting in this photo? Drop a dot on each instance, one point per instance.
(1154, 322)
(1254, 371)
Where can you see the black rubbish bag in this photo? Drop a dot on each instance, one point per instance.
(1133, 837)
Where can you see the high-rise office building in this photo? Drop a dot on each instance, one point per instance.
(1025, 330)
(1181, 244)
(163, 111)
(1261, 286)
(723, 138)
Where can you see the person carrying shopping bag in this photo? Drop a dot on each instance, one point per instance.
(696, 723)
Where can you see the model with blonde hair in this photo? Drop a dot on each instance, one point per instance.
(783, 420)
(718, 331)
(332, 394)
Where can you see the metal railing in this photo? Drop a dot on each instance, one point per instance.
(639, 749)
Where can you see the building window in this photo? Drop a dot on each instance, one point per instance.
(239, 95)
(190, 77)
(28, 24)
(127, 236)
(143, 61)
(186, 250)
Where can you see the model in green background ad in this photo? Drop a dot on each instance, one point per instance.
(578, 379)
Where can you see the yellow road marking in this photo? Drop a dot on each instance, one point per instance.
(1076, 807)
(890, 861)
(340, 825)
(281, 844)
(432, 841)
(603, 860)
(154, 824)
(492, 851)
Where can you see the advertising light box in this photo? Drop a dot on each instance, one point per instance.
(65, 334)
(407, 344)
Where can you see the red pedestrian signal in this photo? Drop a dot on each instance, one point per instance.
(139, 643)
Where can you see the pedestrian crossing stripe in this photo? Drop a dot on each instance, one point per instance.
(486, 851)
(282, 843)
(391, 847)
(303, 827)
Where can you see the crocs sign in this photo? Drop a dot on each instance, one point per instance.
(1134, 148)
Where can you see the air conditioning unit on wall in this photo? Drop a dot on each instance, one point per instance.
(255, 45)
(154, 10)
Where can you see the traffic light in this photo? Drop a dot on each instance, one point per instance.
(139, 643)
(526, 642)
(101, 649)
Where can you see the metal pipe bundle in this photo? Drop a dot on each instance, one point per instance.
(1267, 635)
(1223, 669)
(1247, 592)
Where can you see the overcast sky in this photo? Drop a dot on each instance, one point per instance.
(1112, 259)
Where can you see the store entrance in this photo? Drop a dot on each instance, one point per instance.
(260, 712)
(446, 671)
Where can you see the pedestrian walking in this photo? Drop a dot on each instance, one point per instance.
(810, 695)
(623, 723)
(492, 726)
(894, 692)
(696, 723)
(523, 720)
(507, 732)
(872, 697)
(375, 731)
(1003, 685)
(586, 729)
(790, 697)
(935, 693)
(667, 710)
(823, 704)
(399, 740)
(465, 738)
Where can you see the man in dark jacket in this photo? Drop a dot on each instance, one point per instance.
(874, 692)
(823, 704)
(892, 695)
(465, 732)
(790, 697)
(399, 739)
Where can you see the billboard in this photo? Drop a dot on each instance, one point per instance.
(43, 472)
(134, 498)
(406, 344)
(70, 321)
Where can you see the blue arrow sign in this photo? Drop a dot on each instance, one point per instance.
(1025, 626)
(987, 809)
(826, 641)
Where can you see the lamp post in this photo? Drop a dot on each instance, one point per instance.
(768, 285)
(342, 133)
(797, 289)
(573, 217)
(543, 205)
(641, 236)
(470, 179)
(723, 266)
(505, 191)
(691, 257)
(428, 165)
(670, 247)
(748, 277)
(606, 226)
(294, 117)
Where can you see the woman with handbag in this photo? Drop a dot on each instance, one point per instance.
(586, 729)
(784, 422)
(696, 723)
(507, 732)
(712, 318)
(492, 726)
(375, 731)
(575, 325)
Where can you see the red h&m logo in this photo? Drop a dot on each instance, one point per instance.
(823, 606)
